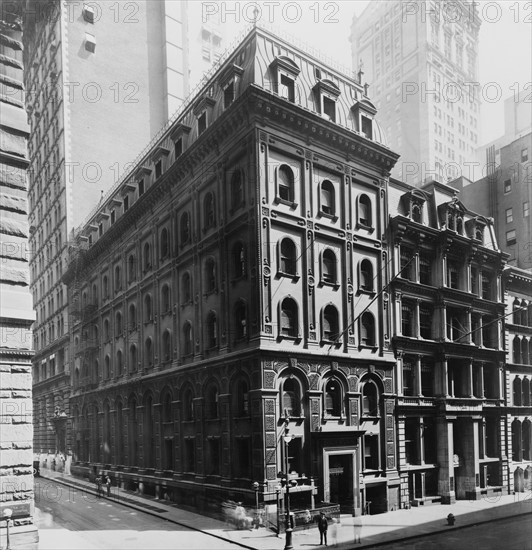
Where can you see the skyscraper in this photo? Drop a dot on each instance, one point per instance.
(102, 79)
(418, 58)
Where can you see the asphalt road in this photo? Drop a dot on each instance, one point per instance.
(505, 534)
(74, 520)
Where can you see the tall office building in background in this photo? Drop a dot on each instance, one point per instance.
(416, 56)
(102, 79)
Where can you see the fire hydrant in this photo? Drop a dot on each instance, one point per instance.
(450, 519)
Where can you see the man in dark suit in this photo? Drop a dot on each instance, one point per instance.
(323, 525)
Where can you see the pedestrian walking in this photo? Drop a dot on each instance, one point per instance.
(323, 525)
(99, 486)
(334, 531)
(357, 529)
(108, 484)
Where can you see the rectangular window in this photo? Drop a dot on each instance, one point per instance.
(408, 379)
(202, 122)
(100, 229)
(286, 88)
(88, 14)
(178, 148)
(371, 452)
(425, 270)
(526, 209)
(426, 314)
(406, 270)
(158, 168)
(427, 380)
(524, 154)
(509, 215)
(126, 203)
(452, 275)
(507, 186)
(190, 458)
(229, 94)
(411, 441)
(113, 217)
(366, 127)
(511, 237)
(141, 187)
(329, 108)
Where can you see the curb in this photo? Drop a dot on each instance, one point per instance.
(145, 511)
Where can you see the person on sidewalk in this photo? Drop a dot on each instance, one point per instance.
(357, 529)
(334, 531)
(108, 484)
(323, 525)
(99, 486)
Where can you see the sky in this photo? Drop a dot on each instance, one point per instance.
(505, 53)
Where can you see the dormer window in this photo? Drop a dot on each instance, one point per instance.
(229, 94)
(178, 148)
(284, 73)
(202, 122)
(158, 168)
(364, 111)
(329, 108)
(366, 127)
(88, 14)
(229, 83)
(178, 136)
(203, 112)
(141, 187)
(90, 42)
(327, 93)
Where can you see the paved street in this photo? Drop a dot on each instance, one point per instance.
(75, 520)
(507, 534)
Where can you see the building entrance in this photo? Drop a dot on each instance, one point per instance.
(341, 480)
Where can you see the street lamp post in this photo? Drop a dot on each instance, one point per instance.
(7, 514)
(288, 544)
(278, 488)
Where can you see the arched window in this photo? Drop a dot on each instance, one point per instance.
(147, 257)
(285, 183)
(517, 391)
(164, 243)
(133, 358)
(366, 276)
(166, 302)
(287, 257)
(188, 406)
(210, 275)
(327, 198)
(211, 402)
(187, 339)
(131, 268)
(367, 330)
(525, 360)
(291, 402)
(333, 398)
(186, 287)
(328, 267)
(118, 324)
(148, 309)
(330, 326)
(239, 261)
(288, 323)
(132, 317)
(148, 352)
(106, 332)
(370, 399)
(185, 228)
(95, 295)
(118, 278)
(167, 345)
(241, 398)
(526, 392)
(517, 310)
(119, 362)
(241, 323)
(516, 345)
(517, 451)
(364, 211)
(208, 211)
(105, 287)
(525, 439)
(107, 367)
(237, 189)
(212, 330)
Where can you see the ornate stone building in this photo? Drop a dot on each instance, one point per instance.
(228, 290)
(518, 377)
(447, 299)
(16, 315)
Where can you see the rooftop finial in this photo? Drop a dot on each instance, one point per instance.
(360, 71)
(366, 86)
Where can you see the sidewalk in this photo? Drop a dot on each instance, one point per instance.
(376, 530)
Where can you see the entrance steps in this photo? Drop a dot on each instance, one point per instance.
(426, 501)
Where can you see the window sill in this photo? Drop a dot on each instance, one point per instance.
(370, 417)
(210, 292)
(289, 337)
(361, 225)
(291, 204)
(166, 313)
(332, 217)
(334, 286)
(367, 291)
(149, 321)
(335, 343)
(293, 276)
(367, 346)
